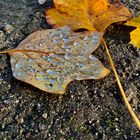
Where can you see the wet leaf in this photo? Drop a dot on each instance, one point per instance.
(135, 34)
(51, 59)
(94, 15)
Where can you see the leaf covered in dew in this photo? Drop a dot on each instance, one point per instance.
(135, 34)
(51, 59)
(93, 15)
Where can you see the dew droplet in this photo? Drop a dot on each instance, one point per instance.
(96, 72)
(56, 42)
(45, 57)
(61, 35)
(52, 81)
(39, 77)
(79, 78)
(65, 47)
(51, 72)
(49, 59)
(80, 65)
(30, 60)
(32, 70)
(53, 55)
(92, 57)
(18, 74)
(65, 30)
(40, 45)
(68, 50)
(86, 38)
(65, 39)
(42, 72)
(58, 73)
(54, 63)
(46, 77)
(51, 35)
(80, 56)
(68, 56)
(86, 44)
(66, 72)
(50, 48)
(76, 44)
(60, 80)
(18, 65)
(50, 86)
(95, 39)
(12, 60)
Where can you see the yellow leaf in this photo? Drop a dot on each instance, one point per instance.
(51, 59)
(88, 14)
(135, 34)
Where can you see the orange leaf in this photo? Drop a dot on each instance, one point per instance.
(88, 14)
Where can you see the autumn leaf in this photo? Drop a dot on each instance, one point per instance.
(51, 59)
(135, 34)
(93, 15)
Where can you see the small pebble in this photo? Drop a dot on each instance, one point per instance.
(41, 1)
(8, 28)
(45, 115)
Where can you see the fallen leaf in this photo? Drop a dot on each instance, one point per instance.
(93, 15)
(51, 59)
(135, 34)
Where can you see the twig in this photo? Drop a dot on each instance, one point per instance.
(135, 118)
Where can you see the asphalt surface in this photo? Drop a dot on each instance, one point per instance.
(89, 110)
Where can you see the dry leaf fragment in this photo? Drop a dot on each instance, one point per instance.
(51, 59)
(135, 35)
(94, 15)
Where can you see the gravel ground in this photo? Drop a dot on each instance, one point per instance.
(89, 110)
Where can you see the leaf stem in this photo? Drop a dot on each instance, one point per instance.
(37, 51)
(30, 51)
(135, 118)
